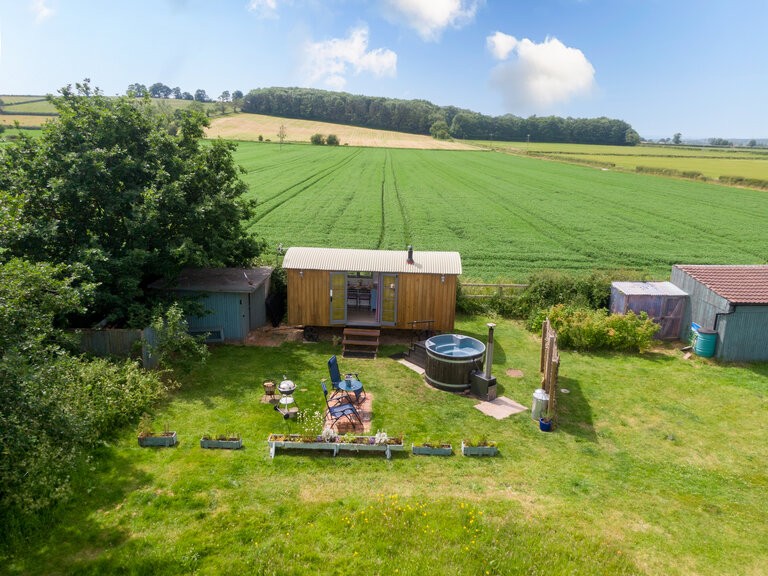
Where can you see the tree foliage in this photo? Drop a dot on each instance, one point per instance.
(421, 116)
(108, 187)
(175, 347)
(53, 405)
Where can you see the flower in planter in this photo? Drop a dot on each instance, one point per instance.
(328, 435)
(381, 437)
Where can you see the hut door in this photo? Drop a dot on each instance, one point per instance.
(338, 297)
(388, 299)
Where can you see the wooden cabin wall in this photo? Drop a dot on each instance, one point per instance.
(426, 297)
(309, 297)
(420, 297)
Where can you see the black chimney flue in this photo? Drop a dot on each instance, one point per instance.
(410, 255)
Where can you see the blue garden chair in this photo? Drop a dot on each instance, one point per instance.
(339, 411)
(333, 371)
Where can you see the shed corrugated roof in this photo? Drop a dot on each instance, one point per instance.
(353, 259)
(648, 289)
(737, 284)
(217, 279)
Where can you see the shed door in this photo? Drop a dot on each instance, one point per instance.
(338, 297)
(389, 299)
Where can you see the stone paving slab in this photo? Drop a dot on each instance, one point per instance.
(500, 408)
(418, 369)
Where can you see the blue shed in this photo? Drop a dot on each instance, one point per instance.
(732, 301)
(233, 297)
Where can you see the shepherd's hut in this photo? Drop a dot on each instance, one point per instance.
(403, 289)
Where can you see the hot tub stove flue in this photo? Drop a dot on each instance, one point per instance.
(482, 384)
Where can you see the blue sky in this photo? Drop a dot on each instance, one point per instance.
(699, 67)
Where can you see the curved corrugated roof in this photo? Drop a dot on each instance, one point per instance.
(353, 259)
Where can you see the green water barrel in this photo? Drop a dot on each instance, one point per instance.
(705, 343)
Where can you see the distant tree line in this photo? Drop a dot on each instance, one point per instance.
(160, 90)
(423, 117)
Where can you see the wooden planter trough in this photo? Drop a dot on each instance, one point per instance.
(164, 439)
(359, 444)
(224, 444)
(442, 450)
(478, 450)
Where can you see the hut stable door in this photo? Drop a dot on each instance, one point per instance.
(363, 298)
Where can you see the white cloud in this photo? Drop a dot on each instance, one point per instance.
(330, 61)
(538, 76)
(42, 12)
(430, 17)
(501, 45)
(264, 8)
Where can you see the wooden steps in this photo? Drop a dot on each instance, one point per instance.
(417, 354)
(360, 341)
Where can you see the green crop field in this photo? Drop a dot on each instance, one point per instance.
(31, 105)
(711, 162)
(506, 215)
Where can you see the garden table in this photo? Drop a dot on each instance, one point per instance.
(352, 386)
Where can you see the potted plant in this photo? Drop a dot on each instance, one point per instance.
(148, 438)
(546, 421)
(432, 448)
(479, 446)
(221, 441)
(269, 388)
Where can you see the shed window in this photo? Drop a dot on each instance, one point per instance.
(213, 334)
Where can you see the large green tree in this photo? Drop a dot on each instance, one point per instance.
(107, 185)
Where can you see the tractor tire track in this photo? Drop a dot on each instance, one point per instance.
(391, 192)
(382, 224)
(294, 190)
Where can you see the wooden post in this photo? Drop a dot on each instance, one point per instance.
(552, 402)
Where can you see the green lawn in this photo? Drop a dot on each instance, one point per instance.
(507, 215)
(657, 467)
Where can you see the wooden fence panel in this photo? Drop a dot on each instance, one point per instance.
(549, 365)
(475, 290)
(121, 343)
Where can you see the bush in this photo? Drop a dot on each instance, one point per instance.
(174, 347)
(52, 416)
(317, 139)
(277, 300)
(332, 140)
(741, 181)
(581, 328)
(548, 288)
